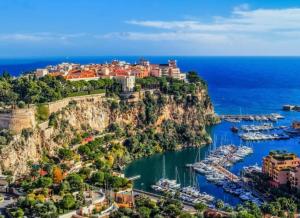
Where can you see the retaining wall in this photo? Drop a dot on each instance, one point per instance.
(18, 119)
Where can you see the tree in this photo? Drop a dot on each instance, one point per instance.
(244, 214)
(172, 210)
(98, 178)
(65, 153)
(219, 204)
(68, 201)
(200, 207)
(76, 181)
(144, 212)
(21, 104)
(57, 175)
(44, 182)
(65, 187)
(19, 213)
(193, 77)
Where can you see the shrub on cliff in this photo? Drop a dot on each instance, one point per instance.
(26, 133)
(3, 140)
(6, 136)
(65, 154)
(42, 112)
(21, 104)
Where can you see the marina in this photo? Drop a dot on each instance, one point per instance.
(258, 136)
(214, 169)
(263, 127)
(273, 117)
(230, 97)
(190, 194)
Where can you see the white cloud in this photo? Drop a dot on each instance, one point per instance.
(241, 20)
(242, 7)
(167, 36)
(39, 37)
(245, 31)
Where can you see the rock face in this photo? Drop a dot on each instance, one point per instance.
(79, 116)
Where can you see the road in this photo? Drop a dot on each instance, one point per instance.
(186, 206)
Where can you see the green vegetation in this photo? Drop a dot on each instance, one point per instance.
(51, 178)
(146, 208)
(30, 90)
(58, 182)
(5, 136)
(42, 112)
(173, 86)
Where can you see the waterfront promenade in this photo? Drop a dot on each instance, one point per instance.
(189, 207)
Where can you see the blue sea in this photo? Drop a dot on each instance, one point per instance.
(248, 85)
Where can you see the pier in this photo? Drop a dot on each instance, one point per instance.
(134, 177)
(229, 175)
(250, 117)
(291, 108)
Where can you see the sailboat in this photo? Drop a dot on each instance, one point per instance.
(165, 184)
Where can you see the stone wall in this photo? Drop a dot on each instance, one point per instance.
(58, 105)
(18, 119)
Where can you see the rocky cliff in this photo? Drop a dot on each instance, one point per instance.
(144, 110)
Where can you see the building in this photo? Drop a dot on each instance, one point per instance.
(281, 167)
(121, 70)
(41, 72)
(294, 177)
(155, 70)
(127, 82)
(164, 68)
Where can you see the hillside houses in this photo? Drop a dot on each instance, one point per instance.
(122, 71)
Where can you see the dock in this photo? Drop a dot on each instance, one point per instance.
(291, 108)
(134, 177)
(250, 117)
(229, 175)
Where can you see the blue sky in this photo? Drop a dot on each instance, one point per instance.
(149, 27)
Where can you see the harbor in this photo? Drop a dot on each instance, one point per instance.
(263, 127)
(190, 194)
(258, 136)
(229, 99)
(214, 168)
(227, 190)
(236, 118)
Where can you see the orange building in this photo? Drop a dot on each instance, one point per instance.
(82, 74)
(281, 166)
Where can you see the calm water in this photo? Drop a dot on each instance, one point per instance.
(236, 85)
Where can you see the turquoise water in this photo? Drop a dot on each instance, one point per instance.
(248, 85)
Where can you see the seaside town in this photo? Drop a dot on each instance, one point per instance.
(149, 109)
(122, 71)
(85, 178)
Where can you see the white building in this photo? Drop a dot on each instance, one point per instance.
(127, 82)
(41, 72)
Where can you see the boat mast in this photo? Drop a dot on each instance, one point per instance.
(164, 168)
(177, 175)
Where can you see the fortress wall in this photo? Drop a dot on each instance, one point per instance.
(18, 119)
(58, 105)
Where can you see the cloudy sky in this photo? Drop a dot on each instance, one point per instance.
(149, 27)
